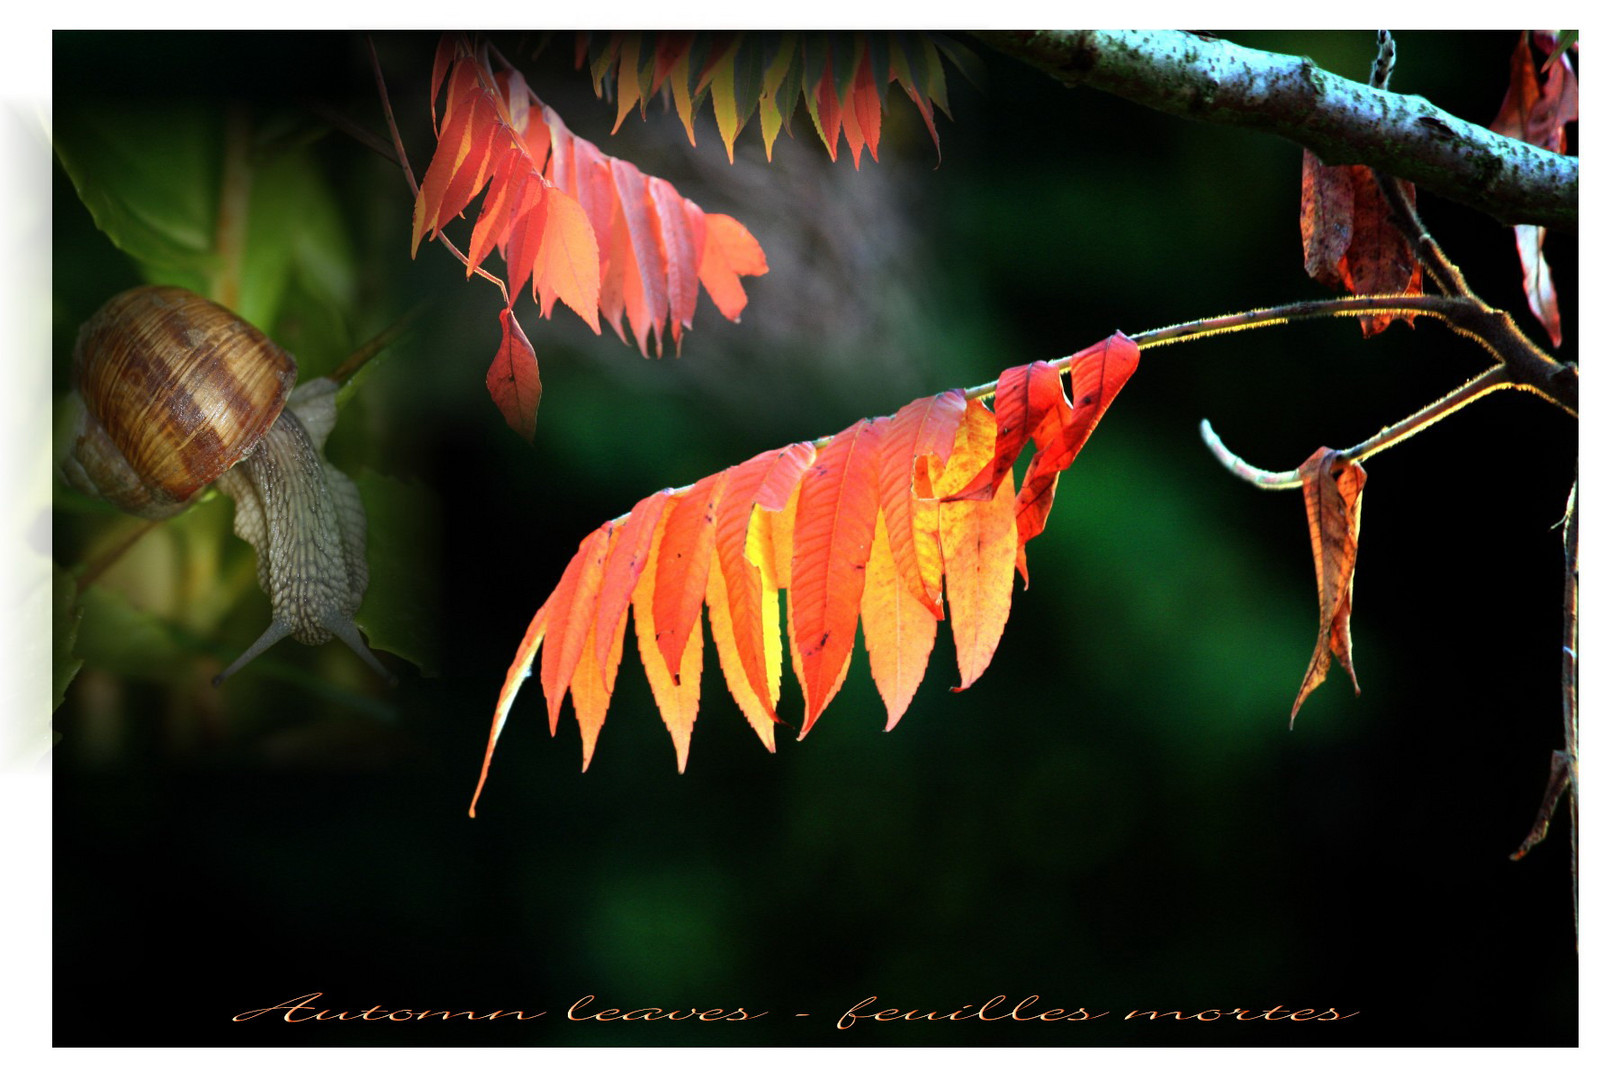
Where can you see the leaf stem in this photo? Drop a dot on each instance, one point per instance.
(410, 177)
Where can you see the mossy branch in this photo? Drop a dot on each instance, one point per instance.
(1342, 121)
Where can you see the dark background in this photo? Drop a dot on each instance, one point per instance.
(1115, 816)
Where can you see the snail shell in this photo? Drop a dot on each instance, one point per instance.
(176, 390)
(177, 393)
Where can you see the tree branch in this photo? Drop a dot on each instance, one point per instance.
(1341, 121)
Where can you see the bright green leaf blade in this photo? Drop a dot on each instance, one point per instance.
(149, 180)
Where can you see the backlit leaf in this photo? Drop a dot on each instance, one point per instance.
(980, 542)
(832, 540)
(1333, 511)
(514, 378)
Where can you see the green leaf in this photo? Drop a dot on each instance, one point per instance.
(1561, 45)
(963, 58)
(845, 51)
(124, 640)
(400, 612)
(65, 615)
(149, 180)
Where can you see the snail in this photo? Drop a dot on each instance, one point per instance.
(174, 393)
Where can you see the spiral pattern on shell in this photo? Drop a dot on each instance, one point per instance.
(181, 386)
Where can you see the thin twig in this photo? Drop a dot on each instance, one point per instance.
(391, 333)
(1491, 380)
(1241, 469)
(1564, 772)
(110, 557)
(410, 177)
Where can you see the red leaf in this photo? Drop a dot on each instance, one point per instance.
(832, 540)
(866, 105)
(1029, 405)
(642, 232)
(1097, 375)
(1327, 204)
(917, 445)
(1379, 260)
(1536, 111)
(1333, 512)
(514, 378)
(1350, 236)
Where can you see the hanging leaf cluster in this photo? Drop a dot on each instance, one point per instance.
(1351, 240)
(843, 79)
(1539, 106)
(881, 526)
(571, 223)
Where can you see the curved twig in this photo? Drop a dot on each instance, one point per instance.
(1489, 381)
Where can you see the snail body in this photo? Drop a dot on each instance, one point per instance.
(179, 393)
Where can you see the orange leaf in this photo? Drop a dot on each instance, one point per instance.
(1333, 511)
(680, 255)
(495, 220)
(682, 569)
(980, 542)
(753, 700)
(522, 247)
(573, 604)
(676, 694)
(899, 629)
(591, 688)
(519, 670)
(765, 480)
(832, 540)
(569, 257)
(917, 443)
(461, 156)
(729, 250)
(514, 378)
(622, 570)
